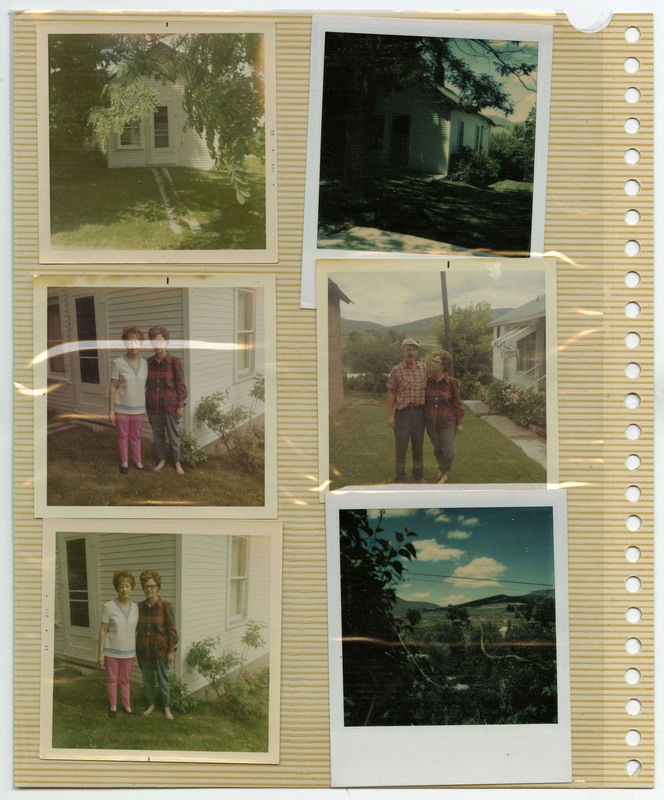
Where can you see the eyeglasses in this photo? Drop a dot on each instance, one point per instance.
(150, 586)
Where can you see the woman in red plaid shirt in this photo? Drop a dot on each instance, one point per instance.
(443, 411)
(156, 637)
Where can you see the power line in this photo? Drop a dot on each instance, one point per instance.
(464, 578)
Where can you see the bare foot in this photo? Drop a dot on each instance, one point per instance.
(178, 468)
(148, 711)
(160, 466)
(167, 712)
(443, 478)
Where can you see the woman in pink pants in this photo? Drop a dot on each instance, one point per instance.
(117, 641)
(126, 399)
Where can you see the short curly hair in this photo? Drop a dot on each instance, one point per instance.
(159, 330)
(132, 332)
(445, 359)
(150, 573)
(119, 574)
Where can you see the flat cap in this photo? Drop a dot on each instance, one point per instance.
(409, 341)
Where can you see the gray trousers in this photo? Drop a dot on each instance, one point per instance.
(163, 424)
(444, 446)
(159, 667)
(409, 429)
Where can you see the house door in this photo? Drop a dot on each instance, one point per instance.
(78, 581)
(400, 141)
(161, 150)
(91, 370)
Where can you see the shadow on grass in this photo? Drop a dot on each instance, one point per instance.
(80, 721)
(494, 219)
(83, 470)
(362, 450)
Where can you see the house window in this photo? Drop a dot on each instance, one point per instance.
(161, 126)
(131, 135)
(245, 332)
(86, 331)
(56, 364)
(527, 353)
(238, 579)
(77, 583)
(461, 125)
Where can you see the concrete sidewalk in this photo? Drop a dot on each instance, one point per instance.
(531, 444)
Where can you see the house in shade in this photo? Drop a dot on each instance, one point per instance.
(162, 138)
(420, 131)
(217, 331)
(216, 582)
(335, 364)
(519, 345)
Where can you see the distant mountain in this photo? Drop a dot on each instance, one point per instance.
(417, 329)
(403, 605)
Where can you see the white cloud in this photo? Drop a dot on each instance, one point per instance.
(420, 596)
(431, 550)
(438, 515)
(458, 535)
(483, 568)
(391, 513)
(468, 522)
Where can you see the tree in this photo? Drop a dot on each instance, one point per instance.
(359, 66)
(514, 150)
(372, 353)
(471, 340)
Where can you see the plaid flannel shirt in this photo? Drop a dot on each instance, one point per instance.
(156, 635)
(442, 406)
(165, 389)
(407, 385)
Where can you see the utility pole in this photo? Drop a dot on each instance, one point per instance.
(446, 317)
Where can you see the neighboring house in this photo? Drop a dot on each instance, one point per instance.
(162, 138)
(519, 345)
(217, 583)
(231, 319)
(335, 364)
(420, 131)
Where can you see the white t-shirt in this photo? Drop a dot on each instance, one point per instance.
(130, 395)
(121, 637)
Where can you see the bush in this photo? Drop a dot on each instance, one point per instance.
(245, 696)
(250, 448)
(191, 452)
(470, 386)
(365, 383)
(531, 409)
(181, 699)
(473, 167)
(525, 406)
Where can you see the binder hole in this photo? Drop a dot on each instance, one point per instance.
(633, 523)
(632, 309)
(632, 432)
(633, 707)
(632, 156)
(633, 493)
(633, 767)
(633, 584)
(632, 676)
(632, 248)
(632, 217)
(632, 340)
(632, 400)
(632, 95)
(632, 65)
(633, 461)
(632, 554)
(633, 615)
(632, 34)
(632, 370)
(632, 187)
(632, 125)
(633, 738)
(633, 645)
(632, 279)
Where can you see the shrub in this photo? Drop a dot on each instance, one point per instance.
(524, 406)
(531, 409)
(181, 699)
(473, 167)
(191, 452)
(250, 448)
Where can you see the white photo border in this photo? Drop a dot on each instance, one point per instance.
(460, 754)
(542, 34)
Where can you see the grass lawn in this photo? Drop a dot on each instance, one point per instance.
(83, 471)
(80, 721)
(496, 218)
(96, 207)
(362, 450)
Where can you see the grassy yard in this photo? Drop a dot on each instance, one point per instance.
(80, 721)
(83, 471)
(96, 207)
(497, 217)
(362, 450)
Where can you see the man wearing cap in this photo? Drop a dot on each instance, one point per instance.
(405, 410)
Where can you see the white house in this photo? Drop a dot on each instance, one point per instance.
(519, 345)
(160, 139)
(217, 583)
(421, 132)
(218, 332)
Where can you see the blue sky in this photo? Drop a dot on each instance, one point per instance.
(465, 554)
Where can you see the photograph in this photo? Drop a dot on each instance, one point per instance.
(427, 139)
(158, 142)
(161, 640)
(449, 613)
(437, 374)
(154, 394)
